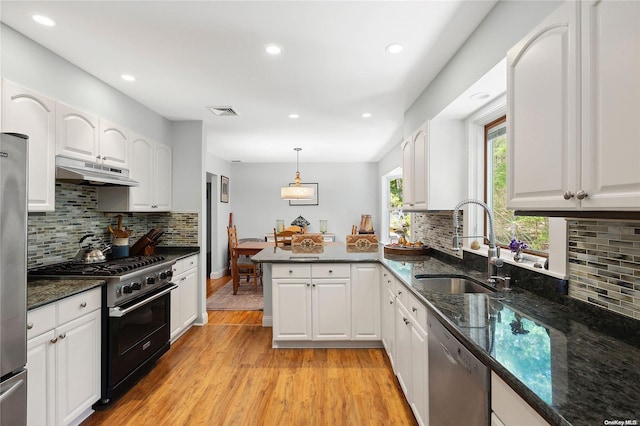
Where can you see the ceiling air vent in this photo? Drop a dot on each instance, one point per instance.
(223, 111)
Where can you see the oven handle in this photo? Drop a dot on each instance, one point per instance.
(118, 312)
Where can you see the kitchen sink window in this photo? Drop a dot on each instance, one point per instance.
(398, 222)
(531, 230)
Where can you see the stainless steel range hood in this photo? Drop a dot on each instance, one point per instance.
(92, 174)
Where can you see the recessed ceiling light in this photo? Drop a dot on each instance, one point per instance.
(479, 96)
(273, 49)
(294, 116)
(127, 77)
(395, 48)
(44, 20)
(366, 115)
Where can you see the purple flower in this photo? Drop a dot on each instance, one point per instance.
(516, 245)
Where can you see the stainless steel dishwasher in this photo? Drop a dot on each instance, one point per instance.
(458, 381)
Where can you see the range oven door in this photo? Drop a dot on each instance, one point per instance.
(138, 334)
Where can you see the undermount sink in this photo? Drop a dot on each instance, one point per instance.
(452, 285)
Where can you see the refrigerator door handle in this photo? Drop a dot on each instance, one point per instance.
(6, 394)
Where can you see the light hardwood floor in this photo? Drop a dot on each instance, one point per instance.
(226, 373)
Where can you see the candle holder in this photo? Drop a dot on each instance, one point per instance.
(280, 225)
(323, 226)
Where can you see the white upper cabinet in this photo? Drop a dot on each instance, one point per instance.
(30, 113)
(77, 133)
(151, 167)
(610, 105)
(87, 137)
(572, 94)
(114, 145)
(433, 172)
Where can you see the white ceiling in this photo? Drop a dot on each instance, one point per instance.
(187, 55)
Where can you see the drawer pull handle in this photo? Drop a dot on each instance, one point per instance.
(406, 321)
(54, 340)
(29, 325)
(63, 335)
(83, 305)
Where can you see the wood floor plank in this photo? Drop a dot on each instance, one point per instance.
(226, 373)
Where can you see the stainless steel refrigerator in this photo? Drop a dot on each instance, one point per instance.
(13, 279)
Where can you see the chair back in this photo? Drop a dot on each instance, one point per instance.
(283, 238)
(233, 237)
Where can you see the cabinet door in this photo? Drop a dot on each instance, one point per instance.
(76, 133)
(78, 366)
(291, 309)
(189, 297)
(114, 145)
(419, 375)
(30, 113)
(407, 174)
(163, 177)
(331, 308)
(41, 367)
(176, 323)
(542, 121)
(365, 302)
(403, 349)
(610, 105)
(420, 164)
(142, 156)
(389, 325)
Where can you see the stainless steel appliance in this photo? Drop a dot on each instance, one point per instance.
(91, 174)
(13, 279)
(458, 381)
(136, 319)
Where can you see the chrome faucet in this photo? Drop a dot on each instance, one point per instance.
(493, 256)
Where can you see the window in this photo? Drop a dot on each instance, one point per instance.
(399, 223)
(534, 231)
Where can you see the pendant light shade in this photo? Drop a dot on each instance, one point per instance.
(297, 192)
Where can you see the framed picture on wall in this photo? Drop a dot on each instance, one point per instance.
(224, 189)
(311, 202)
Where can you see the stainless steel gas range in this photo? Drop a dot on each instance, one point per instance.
(136, 317)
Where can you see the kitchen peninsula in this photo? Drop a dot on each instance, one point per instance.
(584, 364)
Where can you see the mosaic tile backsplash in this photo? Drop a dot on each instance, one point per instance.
(53, 236)
(604, 264)
(435, 229)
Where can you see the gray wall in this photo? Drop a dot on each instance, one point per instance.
(345, 192)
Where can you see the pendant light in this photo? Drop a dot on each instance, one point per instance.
(297, 192)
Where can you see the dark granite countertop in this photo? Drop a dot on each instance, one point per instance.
(328, 253)
(176, 253)
(42, 291)
(573, 367)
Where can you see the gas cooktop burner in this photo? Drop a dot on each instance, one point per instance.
(110, 267)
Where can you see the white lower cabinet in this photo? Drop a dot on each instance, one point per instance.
(411, 356)
(365, 301)
(63, 359)
(184, 299)
(388, 314)
(509, 409)
(311, 302)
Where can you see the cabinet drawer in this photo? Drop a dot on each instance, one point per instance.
(78, 305)
(330, 270)
(291, 271)
(185, 264)
(403, 294)
(41, 320)
(389, 280)
(417, 310)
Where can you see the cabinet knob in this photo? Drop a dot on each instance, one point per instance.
(399, 293)
(54, 340)
(29, 325)
(581, 195)
(97, 157)
(568, 195)
(308, 285)
(83, 305)
(406, 321)
(104, 158)
(391, 302)
(290, 271)
(414, 309)
(63, 335)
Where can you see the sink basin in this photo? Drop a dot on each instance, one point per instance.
(452, 285)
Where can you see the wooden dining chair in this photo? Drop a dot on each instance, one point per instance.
(283, 238)
(241, 266)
